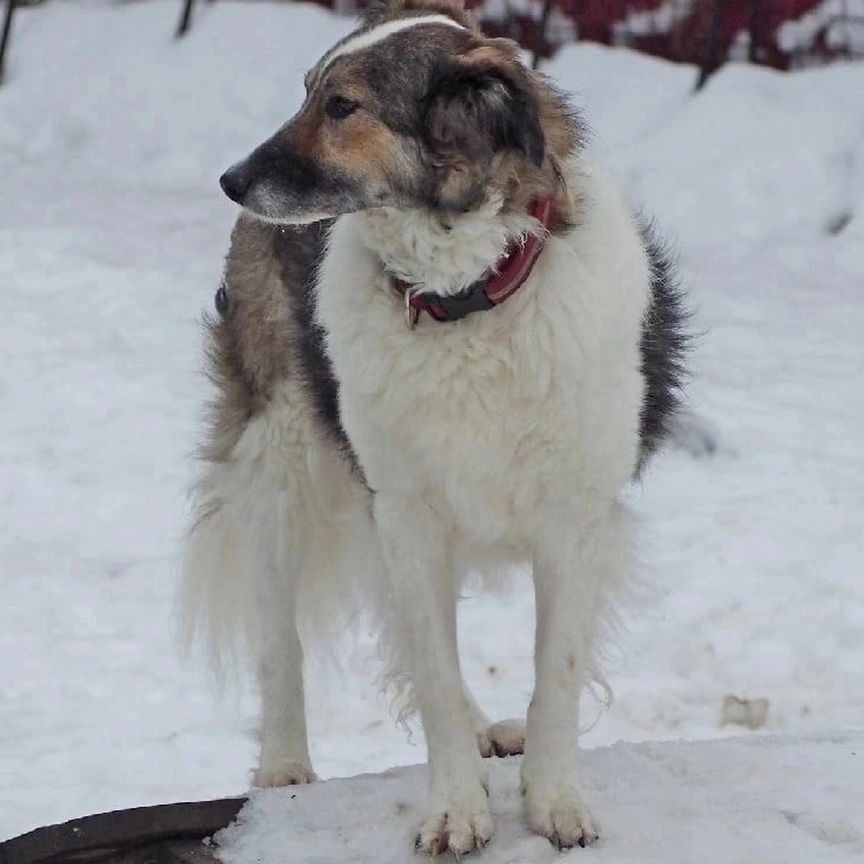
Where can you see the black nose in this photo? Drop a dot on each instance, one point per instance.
(235, 182)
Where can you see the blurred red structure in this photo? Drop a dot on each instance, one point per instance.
(779, 33)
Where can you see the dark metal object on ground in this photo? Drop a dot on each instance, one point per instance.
(166, 834)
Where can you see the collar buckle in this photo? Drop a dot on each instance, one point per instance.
(412, 313)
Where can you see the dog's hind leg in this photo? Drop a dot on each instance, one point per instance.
(504, 738)
(284, 757)
(244, 562)
(577, 561)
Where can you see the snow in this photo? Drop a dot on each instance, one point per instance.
(769, 800)
(112, 234)
(841, 17)
(647, 22)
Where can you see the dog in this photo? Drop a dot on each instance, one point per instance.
(444, 344)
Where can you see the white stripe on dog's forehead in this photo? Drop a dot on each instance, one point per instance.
(378, 34)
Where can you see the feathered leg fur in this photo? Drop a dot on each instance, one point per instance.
(578, 558)
(424, 592)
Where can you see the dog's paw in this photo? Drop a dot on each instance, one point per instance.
(459, 827)
(505, 738)
(561, 816)
(287, 773)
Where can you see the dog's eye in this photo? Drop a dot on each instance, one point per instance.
(338, 107)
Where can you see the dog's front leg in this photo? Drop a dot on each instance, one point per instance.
(424, 613)
(576, 560)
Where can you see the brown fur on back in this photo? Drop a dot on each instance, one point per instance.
(252, 346)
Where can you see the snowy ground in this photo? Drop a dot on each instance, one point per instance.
(112, 232)
(687, 803)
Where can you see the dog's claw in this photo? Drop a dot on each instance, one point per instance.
(286, 773)
(563, 819)
(458, 830)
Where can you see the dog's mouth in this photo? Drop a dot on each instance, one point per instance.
(263, 206)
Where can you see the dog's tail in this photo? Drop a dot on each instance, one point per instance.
(281, 530)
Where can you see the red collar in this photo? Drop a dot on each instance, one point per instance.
(493, 288)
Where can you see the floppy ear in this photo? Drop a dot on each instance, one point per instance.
(474, 110)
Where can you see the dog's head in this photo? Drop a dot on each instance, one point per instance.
(414, 109)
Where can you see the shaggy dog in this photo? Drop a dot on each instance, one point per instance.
(459, 353)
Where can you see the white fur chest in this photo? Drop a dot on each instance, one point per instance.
(493, 416)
